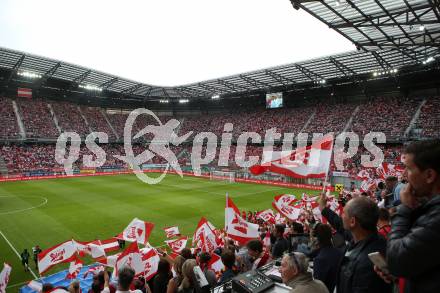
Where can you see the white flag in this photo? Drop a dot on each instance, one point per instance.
(4, 277)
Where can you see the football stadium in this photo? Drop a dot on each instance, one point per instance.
(312, 175)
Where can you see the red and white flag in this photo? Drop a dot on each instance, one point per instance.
(74, 269)
(63, 252)
(306, 162)
(110, 244)
(150, 262)
(288, 206)
(4, 277)
(93, 248)
(138, 231)
(205, 237)
(215, 263)
(177, 245)
(94, 271)
(363, 174)
(24, 93)
(237, 228)
(172, 231)
(387, 169)
(267, 216)
(126, 258)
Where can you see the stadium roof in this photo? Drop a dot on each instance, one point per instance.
(388, 34)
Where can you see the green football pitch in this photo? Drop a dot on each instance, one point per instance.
(48, 212)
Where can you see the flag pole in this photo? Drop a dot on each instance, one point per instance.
(328, 168)
(226, 220)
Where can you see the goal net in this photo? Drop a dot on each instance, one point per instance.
(222, 176)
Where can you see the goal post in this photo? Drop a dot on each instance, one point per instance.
(222, 176)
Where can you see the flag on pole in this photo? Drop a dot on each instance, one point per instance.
(205, 237)
(110, 244)
(74, 269)
(92, 248)
(138, 231)
(177, 245)
(267, 216)
(306, 162)
(216, 264)
(63, 252)
(150, 262)
(4, 277)
(237, 228)
(288, 206)
(172, 231)
(24, 93)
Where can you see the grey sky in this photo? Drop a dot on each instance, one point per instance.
(167, 42)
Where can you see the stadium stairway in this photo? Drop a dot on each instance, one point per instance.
(54, 117)
(347, 126)
(85, 119)
(308, 121)
(3, 167)
(413, 122)
(19, 120)
(109, 124)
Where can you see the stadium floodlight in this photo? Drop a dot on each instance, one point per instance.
(163, 101)
(421, 28)
(90, 87)
(374, 74)
(183, 101)
(215, 97)
(337, 2)
(29, 74)
(428, 60)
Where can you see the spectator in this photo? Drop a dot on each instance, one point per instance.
(281, 244)
(299, 241)
(257, 254)
(188, 284)
(74, 287)
(383, 225)
(294, 273)
(356, 272)
(163, 276)
(228, 259)
(175, 282)
(412, 250)
(203, 260)
(325, 263)
(125, 278)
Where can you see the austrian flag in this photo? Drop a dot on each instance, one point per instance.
(312, 161)
(177, 245)
(236, 227)
(138, 231)
(64, 252)
(172, 231)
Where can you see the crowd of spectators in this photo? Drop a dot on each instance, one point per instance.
(362, 245)
(429, 119)
(391, 116)
(37, 119)
(69, 118)
(97, 122)
(8, 120)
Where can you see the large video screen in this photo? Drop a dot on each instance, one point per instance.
(274, 100)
